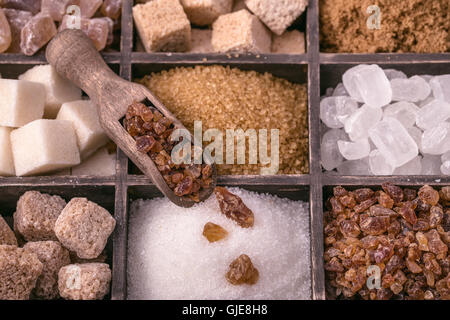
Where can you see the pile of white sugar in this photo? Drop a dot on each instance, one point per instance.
(169, 258)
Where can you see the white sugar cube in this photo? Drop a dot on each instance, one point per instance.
(58, 89)
(20, 102)
(101, 163)
(44, 146)
(6, 158)
(84, 117)
(394, 142)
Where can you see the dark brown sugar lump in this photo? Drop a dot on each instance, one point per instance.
(36, 215)
(405, 26)
(19, 271)
(53, 257)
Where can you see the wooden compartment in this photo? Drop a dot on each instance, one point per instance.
(318, 70)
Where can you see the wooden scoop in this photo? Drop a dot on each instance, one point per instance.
(74, 57)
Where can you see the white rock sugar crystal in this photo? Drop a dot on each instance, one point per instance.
(431, 165)
(357, 125)
(330, 155)
(335, 110)
(445, 156)
(368, 84)
(168, 257)
(340, 90)
(413, 89)
(441, 87)
(432, 114)
(403, 111)
(355, 167)
(379, 165)
(394, 142)
(354, 150)
(416, 134)
(394, 74)
(445, 168)
(413, 167)
(437, 140)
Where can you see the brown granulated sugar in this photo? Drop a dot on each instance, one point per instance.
(229, 98)
(406, 26)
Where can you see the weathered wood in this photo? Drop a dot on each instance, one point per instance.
(74, 57)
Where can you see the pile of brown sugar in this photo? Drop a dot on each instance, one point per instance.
(406, 26)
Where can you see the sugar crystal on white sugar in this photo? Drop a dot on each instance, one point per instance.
(413, 89)
(394, 142)
(368, 84)
(336, 109)
(357, 125)
(168, 258)
(329, 151)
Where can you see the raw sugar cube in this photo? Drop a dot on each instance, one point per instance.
(84, 227)
(201, 41)
(36, 33)
(162, 26)
(6, 157)
(36, 214)
(19, 270)
(21, 102)
(88, 281)
(240, 32)
(57, 89)
(17, 20)
(6, 234)
(84, 118)
(277, 14)
(5, 32)
(101, 163)
(44, 146)
(53, 257)
(205, 12)
(290, 42)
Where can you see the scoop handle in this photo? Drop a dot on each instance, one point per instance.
(74, 57)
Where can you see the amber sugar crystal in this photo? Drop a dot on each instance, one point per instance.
(234, 208)
(213, 232)
(242, 271)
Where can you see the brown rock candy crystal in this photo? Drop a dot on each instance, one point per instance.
(242, 271)
(234, 208)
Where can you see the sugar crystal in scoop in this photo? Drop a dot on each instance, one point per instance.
(368, 84)
(357, 125)
(413, 89)
(36, 33)
(441, 87)
(17, 20)
(335, 110)
(432, 114)
(394, 142)
(437, 139)
(33, 6)
(5, 32)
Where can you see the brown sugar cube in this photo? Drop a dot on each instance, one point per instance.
(53, 257)
(162, 26)
(240, 31)
(36, 215)
(205, 12)
(290, 42)
(89, 281)
(201, 41)
(84, 227)
(277, 14)
(6, 234)
(19, 270)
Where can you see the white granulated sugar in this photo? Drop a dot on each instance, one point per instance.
(169, 258)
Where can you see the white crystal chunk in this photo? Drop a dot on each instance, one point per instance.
(436, 140)
(413, 89)
(394, 74)
(335, 110)
(330, 156)
(431, 165)
(413, 167)
(378, 164)
(405, 112)
(354, 150)
(355, 168)
(441, 87)
(357, 125)
(432, 114)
